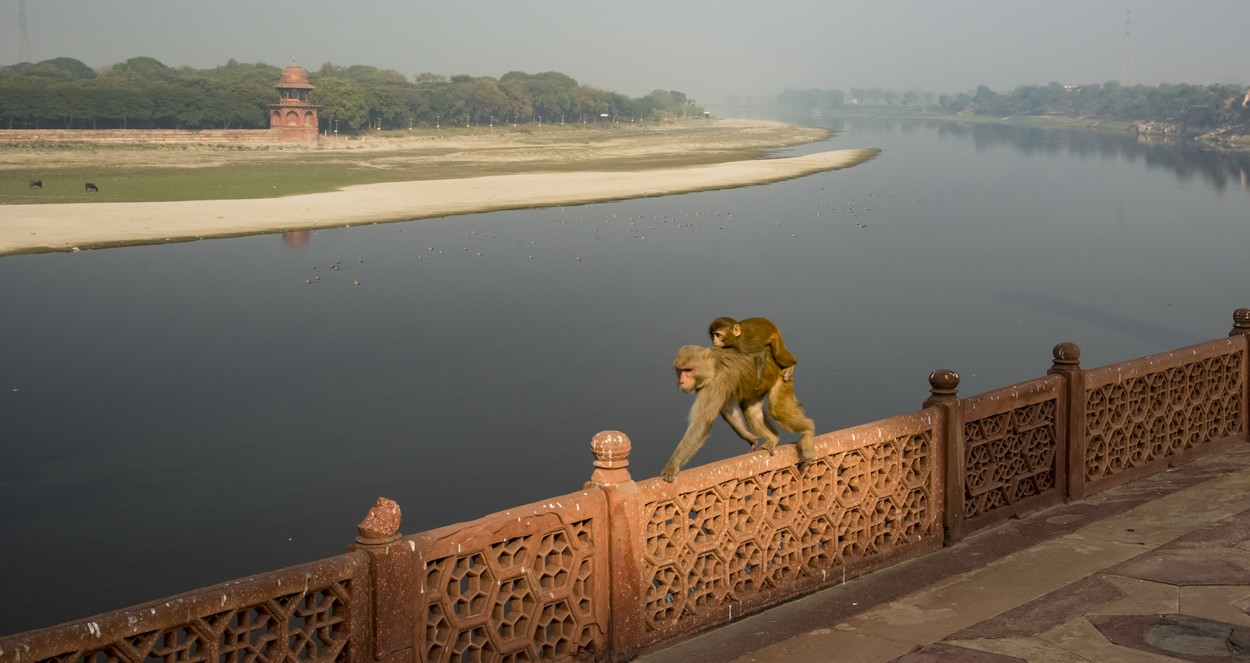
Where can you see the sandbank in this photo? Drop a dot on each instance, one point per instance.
(67, 227)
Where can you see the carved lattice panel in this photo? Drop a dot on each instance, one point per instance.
(523, 598)
(305, 626)
(1138, 420)
(738, 541)
(1009, 456)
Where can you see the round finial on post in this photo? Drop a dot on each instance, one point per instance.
(1066, 354)
(611, 449)
(381, 525)
(943, 381)
(1241, 322)
(943, 386)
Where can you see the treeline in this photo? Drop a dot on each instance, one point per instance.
(1164, 103)
(143, 93)
(1138, 103)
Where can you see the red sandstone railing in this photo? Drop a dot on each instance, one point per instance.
(623, 565)
(314, 613)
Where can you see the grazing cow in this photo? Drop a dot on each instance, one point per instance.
(92, 187)
(36, 184)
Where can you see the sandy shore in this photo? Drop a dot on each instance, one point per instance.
(66, 227)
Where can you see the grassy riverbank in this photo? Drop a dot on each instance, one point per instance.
(167, 194)
(161, 173)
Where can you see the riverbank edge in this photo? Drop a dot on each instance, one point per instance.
(27, 229)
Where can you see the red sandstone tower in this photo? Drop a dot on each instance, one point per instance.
(293, 118)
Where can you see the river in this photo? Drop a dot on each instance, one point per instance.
(180, 415)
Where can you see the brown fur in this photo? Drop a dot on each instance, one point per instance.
(757, 337)
(726, 382)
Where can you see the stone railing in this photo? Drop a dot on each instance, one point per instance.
(313, 612)
(623, 565)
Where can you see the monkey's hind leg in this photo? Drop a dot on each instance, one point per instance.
(786, 409)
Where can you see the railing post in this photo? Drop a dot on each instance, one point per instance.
(624, 546)
(1068, 364)
(1241, 327)
(394, 586)
(1241, 322)
(943, 394)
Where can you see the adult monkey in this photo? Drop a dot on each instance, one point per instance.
(758, 337)
(724, 379)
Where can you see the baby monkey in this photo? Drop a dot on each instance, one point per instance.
(758, 337)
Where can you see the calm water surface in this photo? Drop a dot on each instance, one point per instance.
(176, 416)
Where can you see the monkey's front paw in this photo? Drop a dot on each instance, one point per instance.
(771, 449)
(669, 473)
(787, 374)
(755, 444)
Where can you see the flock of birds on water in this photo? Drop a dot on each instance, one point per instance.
(636, 227)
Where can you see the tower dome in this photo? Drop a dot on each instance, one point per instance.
(294, 76)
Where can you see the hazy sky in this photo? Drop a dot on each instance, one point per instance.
(706, 48)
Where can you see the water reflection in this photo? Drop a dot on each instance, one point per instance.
(297, 239)
(1187, 159)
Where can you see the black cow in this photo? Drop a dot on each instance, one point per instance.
(36, 184)
(92, 187)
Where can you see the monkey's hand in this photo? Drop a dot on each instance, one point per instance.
(755, 444)
(670, 472)
(787, 374)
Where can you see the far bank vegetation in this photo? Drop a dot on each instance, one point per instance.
(143, 93)
(1221, 110)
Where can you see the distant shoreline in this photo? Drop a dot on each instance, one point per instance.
(156, 194)
(68, 227)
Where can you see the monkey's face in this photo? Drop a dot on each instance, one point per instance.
(686, 380)
(726, 336)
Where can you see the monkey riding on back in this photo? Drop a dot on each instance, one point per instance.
(749, 363)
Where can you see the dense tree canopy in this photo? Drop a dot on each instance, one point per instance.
(143, 93)
(1166, 102)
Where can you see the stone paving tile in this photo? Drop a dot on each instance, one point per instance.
(825, 645)
(1033, 650)
(1088, 644)
(1225, 534)
(1046, 612)
(1189, 638)
(973, 597)
(1218, 603)
(1202, 566)
(944, 653)
(1141, 597)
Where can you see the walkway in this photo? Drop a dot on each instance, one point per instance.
(1157, 570)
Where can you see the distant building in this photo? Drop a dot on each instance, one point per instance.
(293, 118)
